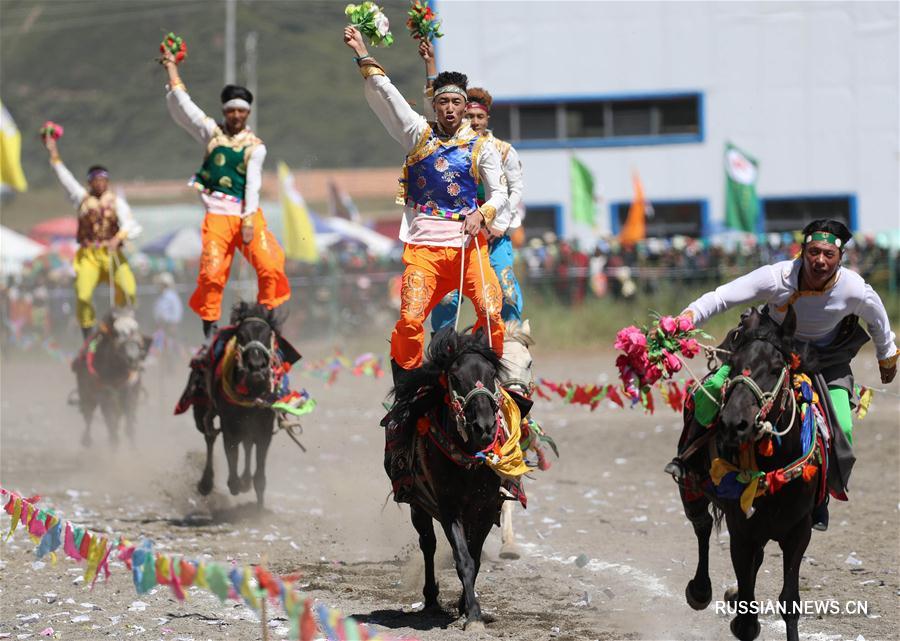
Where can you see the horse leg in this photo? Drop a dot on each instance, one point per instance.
(424, 525)
(746, 557)
(88, 407)
(205, 485)
(263, 439)
(508, 547)
(465, 569)
(793, 546)
(232, 442)
(246, 478)
(475, 543)
(111, 415)
(698, 591)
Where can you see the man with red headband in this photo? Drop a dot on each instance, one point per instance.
(829, 301)
(229, 182)
(104, 222)
(478, 108)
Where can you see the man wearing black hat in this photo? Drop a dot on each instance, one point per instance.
(829, 301)
(229, 181)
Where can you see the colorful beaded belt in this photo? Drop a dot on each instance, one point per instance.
(433, 211)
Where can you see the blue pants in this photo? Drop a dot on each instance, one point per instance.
(501, 253)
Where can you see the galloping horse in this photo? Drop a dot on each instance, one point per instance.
(460, 492)
(108, 374)
(757, 403)
(238, 381)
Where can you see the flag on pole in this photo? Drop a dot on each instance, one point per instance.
(741, 202)
(340, 205)
(11, 174)
(299, 233)
(582, 184)
(635, 228)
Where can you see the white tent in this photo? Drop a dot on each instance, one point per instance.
(16, 250)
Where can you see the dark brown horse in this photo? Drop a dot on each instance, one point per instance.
(759, 396)
(108, 374)
(462, 494)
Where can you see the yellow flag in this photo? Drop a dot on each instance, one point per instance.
(11, 173)
(299, 233)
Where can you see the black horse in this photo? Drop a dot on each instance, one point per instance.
(235, 379)
(108, 374)
(455, 489)
(761, 356)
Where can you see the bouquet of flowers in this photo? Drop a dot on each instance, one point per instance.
(422, 22)
(371, 22)
(51, 129)
(653, 353)
(174, 45)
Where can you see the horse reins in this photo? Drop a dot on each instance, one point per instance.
(462, 272)
(766, 401)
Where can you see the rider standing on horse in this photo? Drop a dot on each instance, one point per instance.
(829, 301)
(478, 113)
(104, 222)
(446, 162)
(229, 182)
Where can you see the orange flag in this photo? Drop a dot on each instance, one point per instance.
(635, 227)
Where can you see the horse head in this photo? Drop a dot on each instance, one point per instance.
(126, 346)
(762, 356)
(255, 344)
(517, 361)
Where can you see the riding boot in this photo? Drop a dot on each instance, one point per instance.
(397, 450)
(209, 328)
(86, 331)
(820, 516)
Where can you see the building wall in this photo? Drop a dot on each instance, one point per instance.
(809, 89)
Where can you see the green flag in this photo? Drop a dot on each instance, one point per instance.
(582, 183)
(741, 201)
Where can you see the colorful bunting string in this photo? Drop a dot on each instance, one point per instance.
(328, 369)
(250, 584)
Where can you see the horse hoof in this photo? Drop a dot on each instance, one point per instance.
(246, 484)
(697, 601)
(731, 595)
(742, 634)
(205, 486)
(510, 551)
(474, 626)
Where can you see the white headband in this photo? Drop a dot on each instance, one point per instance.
(236, 103)
(451, 89)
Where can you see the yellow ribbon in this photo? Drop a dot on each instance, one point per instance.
(96, 550)
(17, 513)
(747, 460)
(247, 590)
(200, 577)
(509, 461)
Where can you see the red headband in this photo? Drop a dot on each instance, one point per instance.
(477, 105)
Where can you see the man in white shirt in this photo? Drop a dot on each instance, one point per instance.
(442, 223)
(229, 182)
(829, 301)
(104, 222)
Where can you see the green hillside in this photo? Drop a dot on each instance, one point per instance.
(89, 65)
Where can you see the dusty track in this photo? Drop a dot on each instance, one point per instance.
(606, 499)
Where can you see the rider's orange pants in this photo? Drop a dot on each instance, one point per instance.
(221, 236)
(433, 272)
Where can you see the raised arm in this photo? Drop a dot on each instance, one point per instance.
(760, 284)
(426, 52)
(872, 311)
(401, 121)
(183, 110)
(75, 191)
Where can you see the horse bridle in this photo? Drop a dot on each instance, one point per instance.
(766, 401)
(255, 344)
(525, 388)
(458, 404)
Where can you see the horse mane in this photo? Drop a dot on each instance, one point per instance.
(515, 332)
(770, 332)
(244, 310)
(121, 321)
(421, 388)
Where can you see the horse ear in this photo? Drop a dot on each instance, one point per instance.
(789, 324)
(750, 319)
(526, 328)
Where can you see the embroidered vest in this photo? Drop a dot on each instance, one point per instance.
(224, 169)
(440, 177)
(97, 218)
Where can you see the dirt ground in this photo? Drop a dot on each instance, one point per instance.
(606, 503)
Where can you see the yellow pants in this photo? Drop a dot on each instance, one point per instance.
(93, 264)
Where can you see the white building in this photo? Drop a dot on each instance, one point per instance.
(808, 89)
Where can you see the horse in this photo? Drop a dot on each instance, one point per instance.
(108, 374)
(756, 403)
(456, 388)
(239, 385)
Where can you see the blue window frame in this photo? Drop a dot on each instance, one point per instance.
(543, 217)
(687, 217)
(552, 122)
(791, 213)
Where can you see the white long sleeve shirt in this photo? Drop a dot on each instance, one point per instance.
(201, 128)
(77, 192)
(407, 127)
(819, 313)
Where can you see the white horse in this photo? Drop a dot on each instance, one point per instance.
(520, 378)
